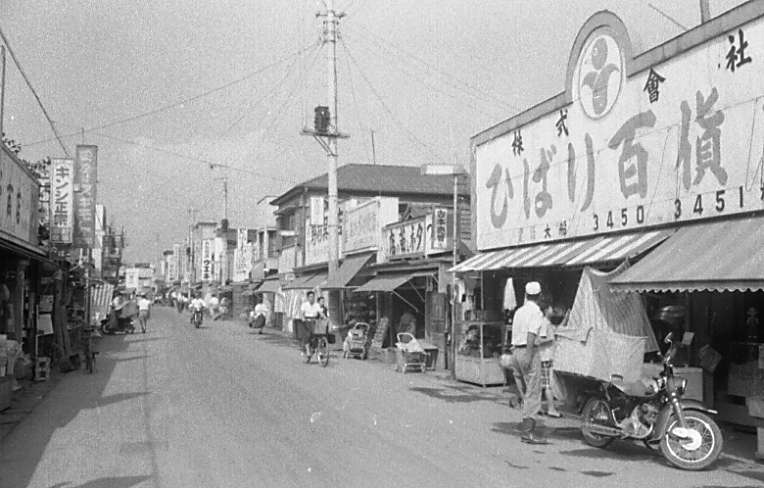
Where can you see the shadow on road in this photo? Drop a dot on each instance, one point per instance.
(82, 391)
(110, 482)
(459, 394)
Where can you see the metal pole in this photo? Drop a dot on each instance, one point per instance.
(705, 11)
(332, 221)
(2, 88)
(455, 244)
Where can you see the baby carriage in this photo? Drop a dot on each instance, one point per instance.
(409, 353)
(357, 341)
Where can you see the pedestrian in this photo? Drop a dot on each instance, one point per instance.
(324, 310)
(526, 328)
(545, 344)
(144, 312)
(310, 313)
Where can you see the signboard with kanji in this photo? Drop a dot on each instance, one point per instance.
(19, 194)
(206, 274)
(62, 201)
(632, 142)
(85, 176)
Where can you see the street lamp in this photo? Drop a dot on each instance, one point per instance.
(456, 171)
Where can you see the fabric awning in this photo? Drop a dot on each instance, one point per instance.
(387, 282)
(718, 256)
(572, 253)
(348, 269)
(307, 281)
(269, 286)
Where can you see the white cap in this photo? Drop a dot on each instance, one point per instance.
(532, 288)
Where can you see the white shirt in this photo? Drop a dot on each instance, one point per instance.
(197, 304)
(310, 310)
(261, 308)
(546, 348)
(143, 304)
(528, 318)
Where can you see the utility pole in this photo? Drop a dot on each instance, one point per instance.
(327, 135)
(2, 88)
(705, 11)
(225, 198)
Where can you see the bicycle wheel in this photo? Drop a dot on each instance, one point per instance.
(323, 352)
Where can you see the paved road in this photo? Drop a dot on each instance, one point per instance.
(225, 407)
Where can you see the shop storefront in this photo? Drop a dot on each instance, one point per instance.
(651, 159)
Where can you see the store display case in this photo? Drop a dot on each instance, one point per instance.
(479, 345)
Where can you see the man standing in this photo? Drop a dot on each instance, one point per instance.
(144, 307)
(526, 327)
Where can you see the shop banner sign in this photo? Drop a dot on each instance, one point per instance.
(206, 260)
(62, 205)
(174, 263)
(19, 194)
(288, 260)
(242, 263)
(132, 278)
(241, 237)
(318, 210)
(422, 236)
(632, 142)
(85, 176)
(317, 243)
(440, 233)
(362, 224)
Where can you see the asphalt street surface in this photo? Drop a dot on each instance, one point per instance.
(223, 406)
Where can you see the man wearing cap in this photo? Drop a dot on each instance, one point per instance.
(526, 327)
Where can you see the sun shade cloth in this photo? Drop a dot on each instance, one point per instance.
(347, 270)
(718, 256)
(576, 253)
(307, 282)
(269, 286)
(384, 282)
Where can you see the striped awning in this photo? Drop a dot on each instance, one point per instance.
(716, 256)
(570, 253)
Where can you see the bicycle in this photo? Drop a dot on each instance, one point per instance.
(88, 349)
(318, 345)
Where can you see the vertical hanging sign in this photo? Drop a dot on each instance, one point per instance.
(62, 201)
(85, 175)
(206, 260)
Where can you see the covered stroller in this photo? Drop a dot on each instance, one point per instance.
(357, 341)
(409, 353)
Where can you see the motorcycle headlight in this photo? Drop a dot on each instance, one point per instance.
(677, 384)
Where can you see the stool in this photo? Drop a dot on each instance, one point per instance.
(42, 369)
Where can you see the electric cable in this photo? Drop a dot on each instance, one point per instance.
(34, 92)
(466, 87)
(357, 107)
(387, 109)
(190, 99)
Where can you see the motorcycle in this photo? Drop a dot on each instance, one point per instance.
(197, 316)
(656, 414)
(111, 325)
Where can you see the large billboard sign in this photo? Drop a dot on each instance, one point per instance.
(85, 177)
(632, 142)
(19, 194)
(362, 224)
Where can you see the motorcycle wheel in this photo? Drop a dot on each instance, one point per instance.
(699, 452)
(105, 329)
(594, 409)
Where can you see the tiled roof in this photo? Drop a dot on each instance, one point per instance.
(384, 180)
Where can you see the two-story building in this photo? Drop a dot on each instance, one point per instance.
(380, 207)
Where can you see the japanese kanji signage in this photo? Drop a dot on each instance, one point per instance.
(632, 142)
(362, 224)
(19, 194)
(206, 260)
(421, 236)
(62, 201)
(242, 256)
(85, 176)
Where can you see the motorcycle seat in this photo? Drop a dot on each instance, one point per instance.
(633, 388)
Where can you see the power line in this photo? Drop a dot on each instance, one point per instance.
(470, 89)
(193, 98)
(408, 132)
(670, 18)
(210, 163)
(34, 92)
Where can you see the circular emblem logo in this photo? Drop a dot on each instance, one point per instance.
(600, 75)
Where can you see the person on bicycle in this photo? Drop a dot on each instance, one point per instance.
(197, 306)
(144, 311)
(310, 312)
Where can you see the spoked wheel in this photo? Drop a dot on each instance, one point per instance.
(696, 447)
(596, 411)
(323, 352)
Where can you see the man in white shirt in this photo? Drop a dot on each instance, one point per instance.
(197, 305)
(144, 307)
(526, 328)
(310, 312)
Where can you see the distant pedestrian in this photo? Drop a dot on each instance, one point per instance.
(526, 328)
(144, 312)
